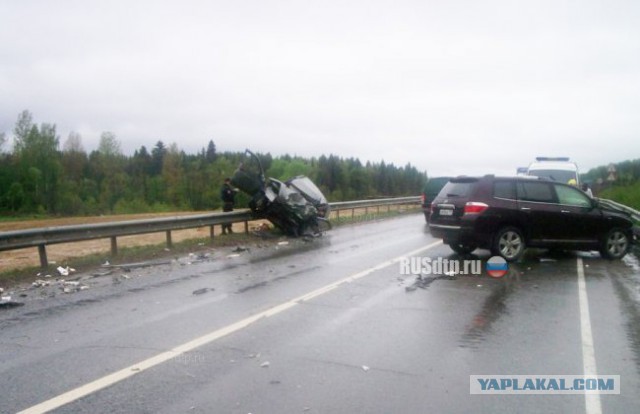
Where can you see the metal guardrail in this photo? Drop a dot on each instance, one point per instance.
(43, 236)
(635, 214)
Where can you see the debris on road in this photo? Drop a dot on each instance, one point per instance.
(73, 286)
(283, 243)
(365, 368)
(6, 302)
(65, 271)
(138, 264)
(41, 283)
(202, 291)
(265, 364)
(240, 249)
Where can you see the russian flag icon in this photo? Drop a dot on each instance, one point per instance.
(497, 266)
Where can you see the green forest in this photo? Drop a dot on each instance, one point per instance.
(39, 175)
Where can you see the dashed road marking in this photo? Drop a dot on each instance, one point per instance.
(592, 401)
(111, 379)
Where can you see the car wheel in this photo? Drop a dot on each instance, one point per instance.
(615, 244)
(509, 243)
(461, 248)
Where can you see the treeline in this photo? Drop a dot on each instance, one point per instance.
(41, 176)
(620, 183)
(624, 173)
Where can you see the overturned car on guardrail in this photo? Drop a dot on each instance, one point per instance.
(297, 206)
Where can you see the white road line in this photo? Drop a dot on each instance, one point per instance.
(592, 401)
(111, 379)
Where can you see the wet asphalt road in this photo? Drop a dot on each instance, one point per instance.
(329, 326)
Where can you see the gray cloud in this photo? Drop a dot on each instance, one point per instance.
(460, 87)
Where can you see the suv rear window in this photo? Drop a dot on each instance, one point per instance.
(457, 189)
(535, 191)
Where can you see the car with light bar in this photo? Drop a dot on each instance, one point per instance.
(560, 169)
(508, 214)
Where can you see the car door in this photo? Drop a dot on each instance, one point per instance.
(539, 210)
(582, 222)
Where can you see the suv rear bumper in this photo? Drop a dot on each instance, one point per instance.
(460, 234)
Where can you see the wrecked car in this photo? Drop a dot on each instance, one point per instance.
(297, 206)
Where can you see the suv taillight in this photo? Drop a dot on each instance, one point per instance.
(473, 207)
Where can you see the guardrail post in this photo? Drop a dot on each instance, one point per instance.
(211, 231)
(169, 243)
(246, 227)
(114, 247)
(42, 251)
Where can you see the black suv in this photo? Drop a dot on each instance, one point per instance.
(507, 214)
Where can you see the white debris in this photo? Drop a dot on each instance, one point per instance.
(72, 286)
(65, 271)
(1, 290)
(283, 243)
(41, 283)
(231, 256)
(6, 298)
(265, 364)
(365, 368)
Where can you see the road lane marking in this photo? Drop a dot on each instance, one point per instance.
(111, 379)
(592, 401)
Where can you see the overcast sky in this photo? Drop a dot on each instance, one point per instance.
(450, 86)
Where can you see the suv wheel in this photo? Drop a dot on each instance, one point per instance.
(615, 245)
(462, 248)
(509, 243)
